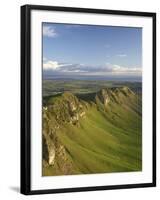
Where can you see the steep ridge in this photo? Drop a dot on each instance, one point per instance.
(97, 136)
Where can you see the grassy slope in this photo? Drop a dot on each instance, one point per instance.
(107, 141)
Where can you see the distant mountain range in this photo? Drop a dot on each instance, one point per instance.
(92, 133)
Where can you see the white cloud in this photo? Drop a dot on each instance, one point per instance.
(50, 65)
(49, 31)
(54, 65)
(121, 55)
(108, 68)
(121, 69)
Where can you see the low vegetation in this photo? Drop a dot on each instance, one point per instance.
(96, 131)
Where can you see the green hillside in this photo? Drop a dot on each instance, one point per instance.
(84, 135)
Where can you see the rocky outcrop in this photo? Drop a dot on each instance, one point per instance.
(67, 108)
(63, 109)
(116, 95)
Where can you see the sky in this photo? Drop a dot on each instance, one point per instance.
(71, 49)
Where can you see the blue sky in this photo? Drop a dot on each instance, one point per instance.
(91, 50)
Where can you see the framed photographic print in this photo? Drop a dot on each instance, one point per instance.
(88, 99)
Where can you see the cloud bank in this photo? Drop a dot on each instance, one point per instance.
(82, 69)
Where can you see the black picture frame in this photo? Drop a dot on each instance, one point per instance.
(26, 98)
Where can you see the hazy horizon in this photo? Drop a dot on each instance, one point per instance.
(92, 78)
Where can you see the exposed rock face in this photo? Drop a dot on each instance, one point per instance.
(105, 97)
(51, 159)
(114, 94)
(73, 106)
(83, 113)
(64, 109)
(48, 142)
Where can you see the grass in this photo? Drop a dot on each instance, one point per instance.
(105, 140)
(98, 147)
